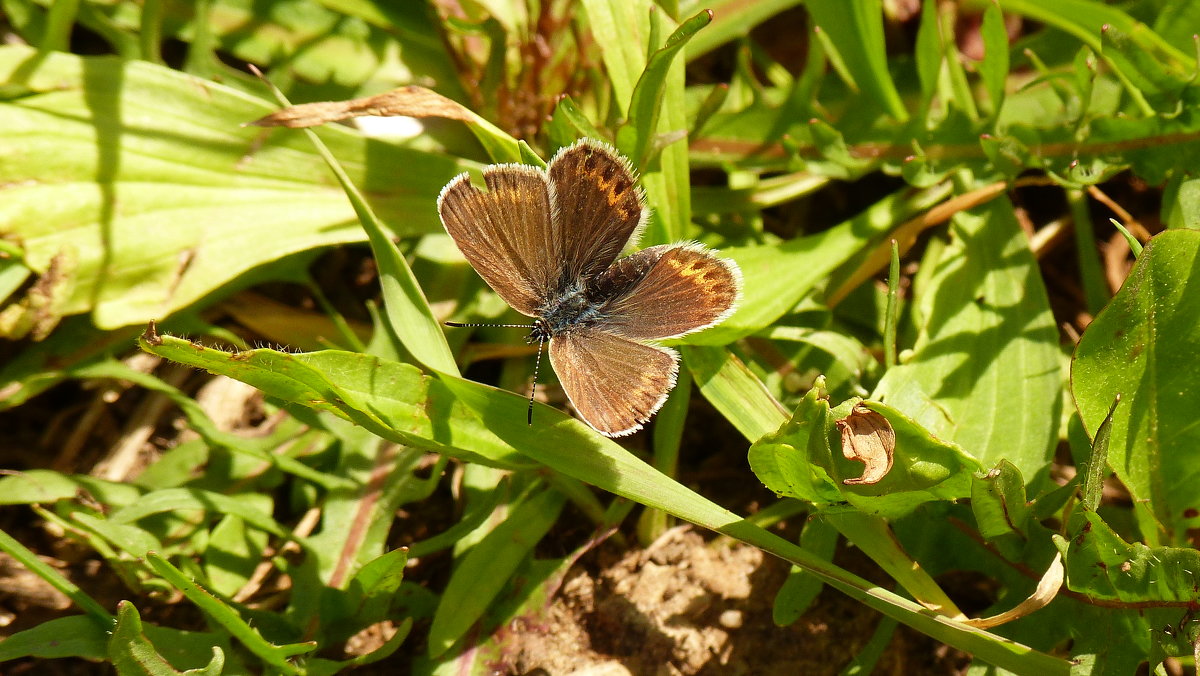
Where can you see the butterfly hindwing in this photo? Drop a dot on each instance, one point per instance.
(596, 203)
(615, 384)
(668, 291)
(505, 232)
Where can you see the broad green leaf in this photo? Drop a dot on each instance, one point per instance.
(998, 502)
(46, 486)
(1143, 347)
(985, 373)
(355, 520)
(201, 199)
(856, 28)
(72, 636)
(1181, 202)
(1000, 508)
(374, 586)
(233, 552)
(481, 574)
(798, 461)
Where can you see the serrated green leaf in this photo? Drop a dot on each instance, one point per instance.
(1103, 566)
(278, 656)
(794, 460)
(134, 655)
(360, 388)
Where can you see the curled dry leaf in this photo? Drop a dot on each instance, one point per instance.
(1046, 590)
(412, 101)
(867, 437)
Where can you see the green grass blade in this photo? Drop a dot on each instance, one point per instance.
(733, 19)
(856, 28)
(647, 99)
(483, 572)
(81, 599)
(620, 30)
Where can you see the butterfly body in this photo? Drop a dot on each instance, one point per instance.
(574, 306)
(548, 243)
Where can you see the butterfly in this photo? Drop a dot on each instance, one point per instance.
(547, 242)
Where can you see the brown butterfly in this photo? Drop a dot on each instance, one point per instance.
(547, 242)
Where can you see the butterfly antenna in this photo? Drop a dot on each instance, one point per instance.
(460, 325)
(533, 390)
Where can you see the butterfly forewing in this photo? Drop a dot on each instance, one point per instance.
(505, 233)
(668, 291)
(615, 384)
(596, 205)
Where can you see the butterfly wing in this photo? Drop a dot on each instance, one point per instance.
(615, 384)
(505, 232)
(596, 205)
(667, 291)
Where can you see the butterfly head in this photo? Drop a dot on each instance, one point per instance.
(540, 333)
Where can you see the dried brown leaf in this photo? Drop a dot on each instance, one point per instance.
(411, 101)
(867, 437)
(1046, 590)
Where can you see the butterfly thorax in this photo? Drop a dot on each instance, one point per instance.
(573, 307)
